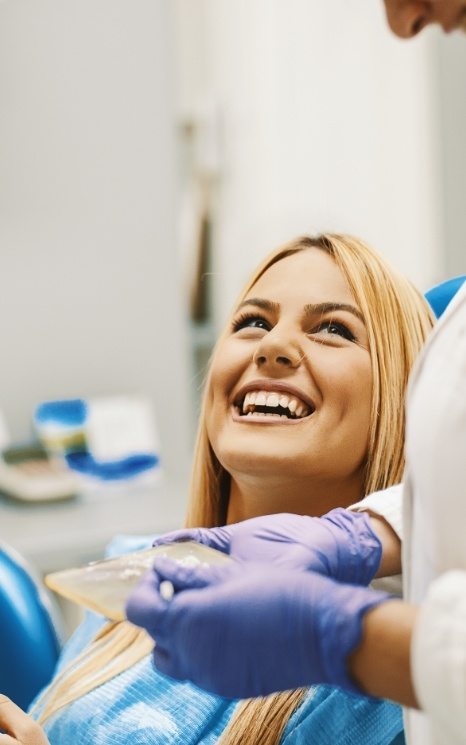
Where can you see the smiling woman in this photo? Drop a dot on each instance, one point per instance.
(299, 342)
(329, 319)
(302, 412)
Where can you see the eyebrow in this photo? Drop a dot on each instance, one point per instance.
(309, 309)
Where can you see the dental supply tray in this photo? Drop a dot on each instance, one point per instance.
(104, 586)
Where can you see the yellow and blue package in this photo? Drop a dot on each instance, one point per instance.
(111, 438)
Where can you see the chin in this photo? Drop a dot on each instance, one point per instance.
(268, 463)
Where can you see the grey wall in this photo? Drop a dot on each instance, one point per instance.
(452, 94)
(90, 299)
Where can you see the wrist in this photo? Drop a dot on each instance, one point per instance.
(381, 663)
(334, 616)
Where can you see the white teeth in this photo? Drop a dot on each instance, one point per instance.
(273, 400)
(261, 399)
(292, 404)
(248, 403)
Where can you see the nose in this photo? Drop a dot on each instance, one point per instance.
(407, 17)
(276, 353)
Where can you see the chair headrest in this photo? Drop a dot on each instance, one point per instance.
(440, 296)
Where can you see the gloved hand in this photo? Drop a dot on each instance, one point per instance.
(250, 631)
(340, 544)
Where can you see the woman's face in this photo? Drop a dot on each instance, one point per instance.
(290, 386)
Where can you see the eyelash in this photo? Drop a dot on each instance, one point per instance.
(342, 328)
(246, 318)
(243, 320)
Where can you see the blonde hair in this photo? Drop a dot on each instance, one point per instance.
(397, 320)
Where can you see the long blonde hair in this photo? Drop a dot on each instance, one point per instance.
(397, 320)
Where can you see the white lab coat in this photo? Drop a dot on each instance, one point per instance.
(434, 527)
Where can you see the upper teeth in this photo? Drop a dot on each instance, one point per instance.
(273, 400)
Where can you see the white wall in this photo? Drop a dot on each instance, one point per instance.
(329, 122)
(452, 73)
(90, 299)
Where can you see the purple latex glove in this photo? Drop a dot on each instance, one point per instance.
(341, 544)
(247, 631)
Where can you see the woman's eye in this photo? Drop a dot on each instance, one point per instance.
(251, 322)
(335, 329)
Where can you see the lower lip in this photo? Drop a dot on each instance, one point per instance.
(258, 419)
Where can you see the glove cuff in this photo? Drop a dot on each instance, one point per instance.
(341, 629)
(358, 546)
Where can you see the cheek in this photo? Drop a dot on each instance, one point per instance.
(231, 359)
(360, 397)
(228, 364)
(352, 388)
(219, 372)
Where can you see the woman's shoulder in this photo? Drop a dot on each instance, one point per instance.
(141, 706)
(329, 715)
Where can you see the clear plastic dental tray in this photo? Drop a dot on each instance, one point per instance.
(104, 586)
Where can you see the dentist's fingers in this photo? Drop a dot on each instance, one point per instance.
(194, 577)
(148, 603)
(218, 538)
(151, 608)
(162, 660)
(19, 727)
(145, 606)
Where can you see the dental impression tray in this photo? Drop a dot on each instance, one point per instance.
(104, 586)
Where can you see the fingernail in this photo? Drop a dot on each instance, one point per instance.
(166, 590)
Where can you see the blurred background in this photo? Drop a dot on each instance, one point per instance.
(151, 153)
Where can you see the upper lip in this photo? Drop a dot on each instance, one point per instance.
(455, 22)
(266, 384)
(461, 21)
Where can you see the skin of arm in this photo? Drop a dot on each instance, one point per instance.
(381, 664)
(18, 727)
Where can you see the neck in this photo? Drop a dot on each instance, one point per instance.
(253, 497)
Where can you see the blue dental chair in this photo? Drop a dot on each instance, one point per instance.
(439, 297)
(29, 639)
